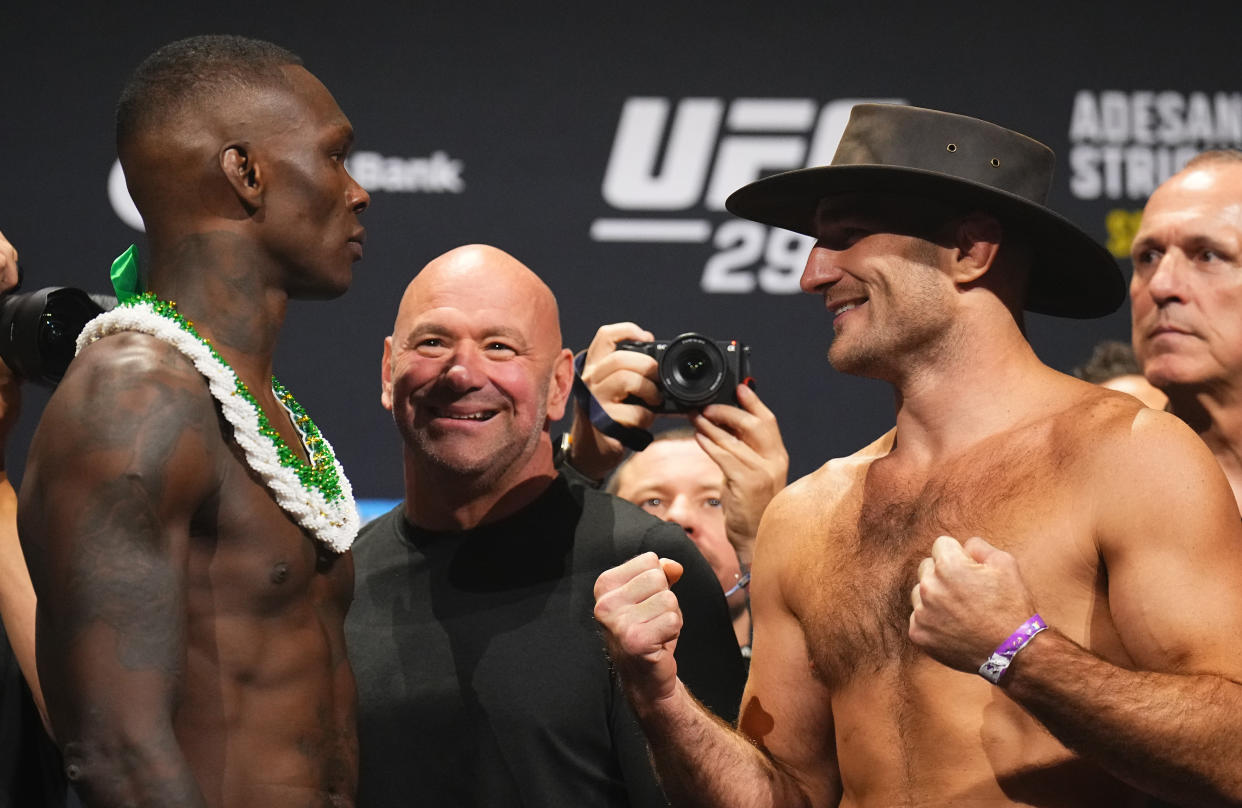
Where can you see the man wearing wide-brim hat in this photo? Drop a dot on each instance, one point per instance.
(1083, 651)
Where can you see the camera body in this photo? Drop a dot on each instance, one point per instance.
(695, 370)
(39, 330)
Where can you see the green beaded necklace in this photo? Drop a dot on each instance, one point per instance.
(324, 505)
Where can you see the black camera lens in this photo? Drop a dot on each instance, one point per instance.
(39, 331)
(692, 370)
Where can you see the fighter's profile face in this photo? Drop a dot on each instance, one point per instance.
(311, 203)
(878, 272)
(1186, 291)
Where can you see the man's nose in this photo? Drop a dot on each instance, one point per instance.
(357, 199)
(1167, 282)
(464, 371)
(681, 513)
(821, 270)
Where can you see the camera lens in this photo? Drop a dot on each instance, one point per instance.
(693, 366)
(38, 330)
(692, 370)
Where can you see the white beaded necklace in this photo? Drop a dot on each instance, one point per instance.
(317, 495)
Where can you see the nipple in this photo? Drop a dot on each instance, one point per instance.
(280, 573)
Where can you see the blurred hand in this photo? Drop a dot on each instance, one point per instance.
(10, 385)
(612, 376)
(746, 443)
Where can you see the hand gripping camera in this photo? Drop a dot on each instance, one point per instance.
(695, 370)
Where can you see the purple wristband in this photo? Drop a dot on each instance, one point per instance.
(996, 665)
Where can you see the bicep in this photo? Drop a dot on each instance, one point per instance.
(786, 709)
(117, 468)
(1172, 546)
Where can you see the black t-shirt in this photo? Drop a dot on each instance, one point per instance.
(482, 678)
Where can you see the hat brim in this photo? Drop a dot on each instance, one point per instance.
(1073, 276)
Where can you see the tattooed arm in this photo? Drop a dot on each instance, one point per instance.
(123, 457)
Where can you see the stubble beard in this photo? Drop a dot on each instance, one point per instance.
(881, 351)
(482, 463)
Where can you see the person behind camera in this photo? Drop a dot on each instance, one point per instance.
(1186, 301)
(30, 764)
(186, 538)
(482, 679)
(714, 478)
(1083, 651)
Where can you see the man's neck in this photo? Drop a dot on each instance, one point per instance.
(1216, 414)
(438, 499)
(987, 382)
(217, 280)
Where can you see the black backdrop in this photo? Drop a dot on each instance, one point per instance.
(542, 130)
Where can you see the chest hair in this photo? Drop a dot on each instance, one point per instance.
(856, 605)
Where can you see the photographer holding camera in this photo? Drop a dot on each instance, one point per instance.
(30, 765)
(715, 501)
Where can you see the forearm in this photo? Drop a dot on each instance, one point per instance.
(17, 595)
(134, 769)
(702, 762)
(1175, 736)
(590, 452)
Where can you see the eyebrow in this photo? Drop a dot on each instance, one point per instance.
(699, 488)
(1194, 241)
(342, 133)
(433, 327)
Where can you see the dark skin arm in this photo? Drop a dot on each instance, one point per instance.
(121, 462)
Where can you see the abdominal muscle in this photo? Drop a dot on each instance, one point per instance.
(931, 736)
(267, 703)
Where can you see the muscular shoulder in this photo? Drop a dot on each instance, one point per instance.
(128, 403)
(826, 488)
(138, 354)
(1109, 430)
(1147, 472)
(126, 371)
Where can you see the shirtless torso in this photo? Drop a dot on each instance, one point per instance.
(180, 605)
(845, 545)
(882, 581)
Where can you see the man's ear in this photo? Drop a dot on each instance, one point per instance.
(242, 172)
(977, 239)
(386, 375)
(560, 385)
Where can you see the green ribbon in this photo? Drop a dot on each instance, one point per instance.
(125, 278)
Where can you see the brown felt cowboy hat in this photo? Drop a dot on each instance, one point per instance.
(939, 155)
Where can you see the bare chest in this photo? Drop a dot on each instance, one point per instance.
(854, 596)
(253, 560)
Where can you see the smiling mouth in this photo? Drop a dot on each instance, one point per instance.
(482, 415)
(842, 308)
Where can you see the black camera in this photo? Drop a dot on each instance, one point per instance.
(695, 370)
(39, 330)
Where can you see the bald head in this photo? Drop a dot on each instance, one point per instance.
(473, 374)
(478, 276)
(1186, 290)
